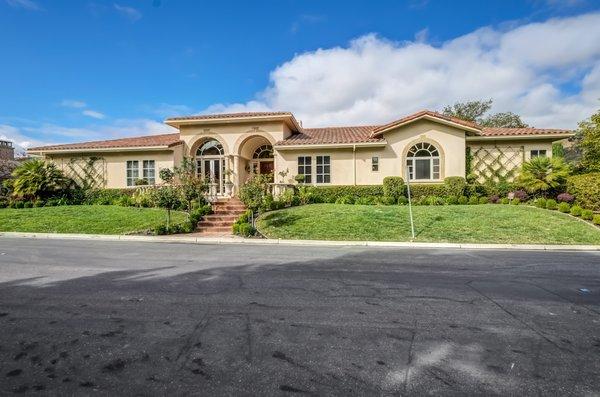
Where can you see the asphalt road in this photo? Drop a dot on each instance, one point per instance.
(123, 318)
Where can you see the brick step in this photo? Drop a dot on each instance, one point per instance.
(203, 224)
(221, 217)
(215, 229)
(229, 207)
(221, 212)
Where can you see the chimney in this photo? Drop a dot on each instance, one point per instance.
(7, 151)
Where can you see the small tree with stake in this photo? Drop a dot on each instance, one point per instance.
(168, 197)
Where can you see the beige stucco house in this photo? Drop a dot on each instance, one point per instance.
(424, 147)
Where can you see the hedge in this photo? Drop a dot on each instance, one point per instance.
(330, 194)
(393, 186)
(586, 189)
(422, 190)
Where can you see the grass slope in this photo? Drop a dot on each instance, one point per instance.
(491, 223)
(90, 219)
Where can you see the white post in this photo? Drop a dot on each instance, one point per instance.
(412, 223)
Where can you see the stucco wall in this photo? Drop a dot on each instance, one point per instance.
(115, 163)
(450, 142)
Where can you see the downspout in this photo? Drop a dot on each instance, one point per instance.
(354, 163)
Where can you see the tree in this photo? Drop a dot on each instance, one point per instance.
(475, 111)
(588, 140)
(38, 179)
(192, 185)
(542, 174)
(168, 197)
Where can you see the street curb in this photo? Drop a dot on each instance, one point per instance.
(182, 239)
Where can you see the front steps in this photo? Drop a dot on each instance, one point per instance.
(225, 213)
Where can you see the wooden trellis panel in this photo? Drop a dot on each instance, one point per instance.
(89, 172)
(496, 163)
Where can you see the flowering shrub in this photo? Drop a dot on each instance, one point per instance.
(565, 198)
(494, 199)
(521, 195)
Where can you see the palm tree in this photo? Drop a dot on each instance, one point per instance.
(38, 179)
(541, 174)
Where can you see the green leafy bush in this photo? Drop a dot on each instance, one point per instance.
(551, 204)
(402, 200)
(586, 189)
(125, 201)
(329, 194)
(462, 200)
(421, 190)
(564, 207)
(345, 200)
(542, 174)
(588, 215)
(37, 178)
(243, 227)
(254, 193)
(368, 200)
(385, 200)
(393, 186)
(473, 200)
(483, 200)
(3, 203)
(455, 186)
(540, 202)
(476, 189)
(451, 200)
(434, 200)
(576, 210)
(504, 200)
(596, 220)
(515, 201)
(28, 204)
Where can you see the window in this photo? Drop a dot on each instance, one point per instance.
(263, 152)
(423, 162)
(374, 163)
(148, 171)
(323, 169)
(133, 172)
(538, 153)
(305, 168)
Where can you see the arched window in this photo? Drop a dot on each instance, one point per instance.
(211, 147)
(423, 162)
(263, 152)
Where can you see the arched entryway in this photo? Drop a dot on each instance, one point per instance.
(210, 163)
(263, 161)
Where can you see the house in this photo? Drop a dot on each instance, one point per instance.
(425, 147)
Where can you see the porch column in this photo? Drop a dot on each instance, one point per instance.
(236, 175)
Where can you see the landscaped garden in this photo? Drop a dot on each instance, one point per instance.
(489, 223)
(89, 219)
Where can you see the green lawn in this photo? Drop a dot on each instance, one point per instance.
(91, 219)
(490, 223)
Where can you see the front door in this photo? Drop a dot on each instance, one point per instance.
(212, 169)
(266, 167)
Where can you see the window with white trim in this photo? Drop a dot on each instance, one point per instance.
(375, 163)
(305, 168)
(323, 169)
(133, 172)
(538, 153)
(149, 171)
(423, 162)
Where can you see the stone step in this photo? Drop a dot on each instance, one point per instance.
(221, 217)
(215, 229)
(203, 224)
(229, 207)
(228, 212)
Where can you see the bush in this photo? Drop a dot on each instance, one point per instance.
(540, 202)
(521, 195)
(505, 200)
(483, 200)
(422, 190)
(243, 227)
(393, 186)
(551, 204)
(455, 186)
(38, 203)
(385, 200)
(576, 210)
(596, 220)
(37, 178)
(52, 203)
(345, 200)
(473, 200)
(19, 204)
(516, 201)
(494, 199)
(434, 200)
(330, 194)
(125, 201)
(3, 203)
(588, 215)
(402, 200)
(451, 200)
(565, 198)
(370, 200)
(586, 189)
(28, 204)
(462, 200)
(253, 193)
(543, 174)
(564, 207)
(476, 189)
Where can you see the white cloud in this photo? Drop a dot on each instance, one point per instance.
(25, 4)
(69, 103)
(94, 114)
(128, 12)
(373, 80)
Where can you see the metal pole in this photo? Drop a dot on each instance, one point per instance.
(412, 223)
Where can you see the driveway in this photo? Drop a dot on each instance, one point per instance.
(83, 317)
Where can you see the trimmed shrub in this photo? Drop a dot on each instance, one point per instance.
(38, 203)
(402, 200)
(565, 198)
(551, 204)
(476, 189)
(521, 195)
(462, 200)
(451, 200)
(421, 190)
(588, 215)
(28, 204)
(329, 194)
(483, 200)
(345, 200)
(576, 210)
(586, 189)
(516, 201)
(385, 200)
(473, 200)
(393, 186)
(564, 207)
(368, 200)
(434, 200)
(494, 199)
(455, 185)
(504, 200)
(596, 220)
(3, 203)
(19, 204)
(540, 202)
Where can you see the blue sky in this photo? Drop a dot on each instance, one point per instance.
(83, 70)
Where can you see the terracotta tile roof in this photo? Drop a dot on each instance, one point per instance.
(422, 113)
(229, 115)
(332, 135)
(499, 131)
(167, 140)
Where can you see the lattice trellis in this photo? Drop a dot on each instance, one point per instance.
(496, 163)
(88, 172)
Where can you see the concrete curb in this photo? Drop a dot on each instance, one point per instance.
(238, 240)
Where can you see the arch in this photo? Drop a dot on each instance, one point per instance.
(239, 143)
(205, 137)
(263, 152)
(423, 160)
(210, 147)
